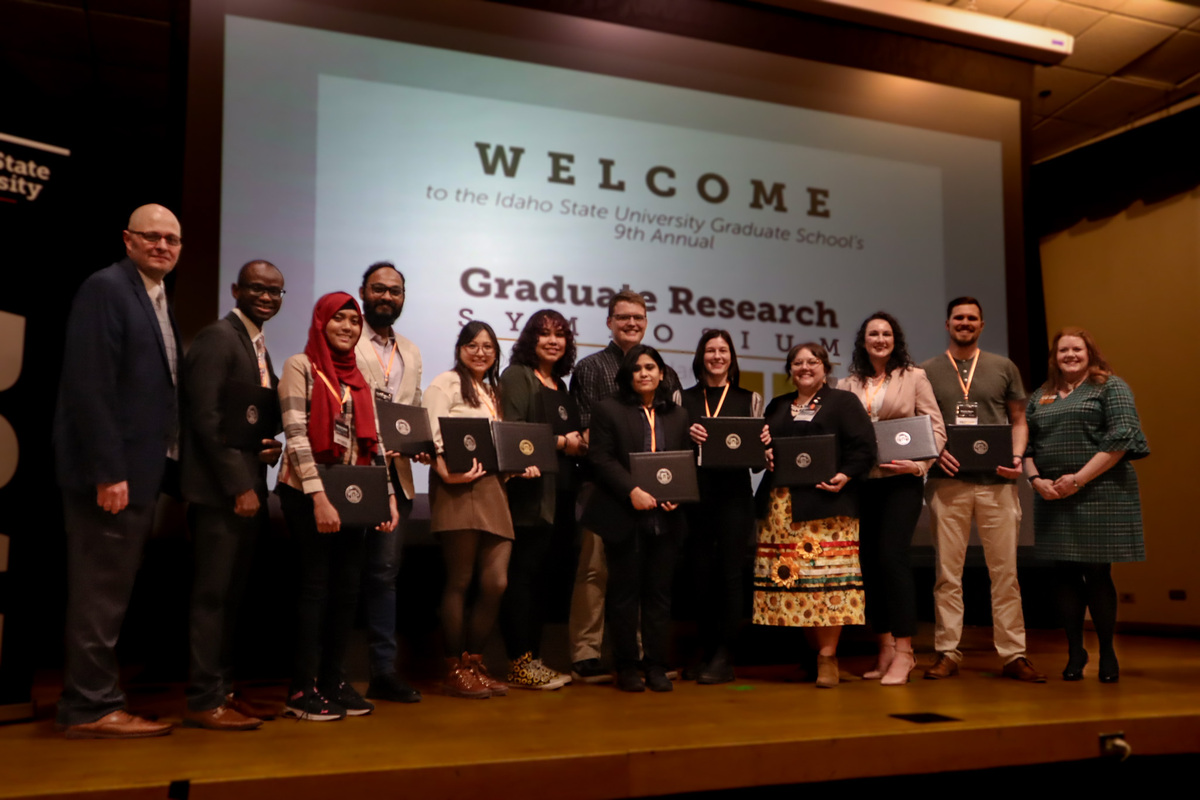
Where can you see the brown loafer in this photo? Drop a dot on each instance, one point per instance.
(1019, 669)
(118, 725)
(221, 718)
(943, 667)
(248, 708)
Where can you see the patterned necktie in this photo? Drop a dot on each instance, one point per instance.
(260, 350)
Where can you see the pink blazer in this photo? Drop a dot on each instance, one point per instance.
(909, 394)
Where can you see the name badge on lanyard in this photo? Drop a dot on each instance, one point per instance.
(383, 395)
(806, 412)
(341, 431)
(966, 413)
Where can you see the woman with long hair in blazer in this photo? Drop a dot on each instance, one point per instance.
(721, 525)
(641, 535)
(469, 513)
(888, 384)
(328, 418)
(542, 357)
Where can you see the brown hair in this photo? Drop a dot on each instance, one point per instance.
(817, 350)
(625, 296)
(1098, 369)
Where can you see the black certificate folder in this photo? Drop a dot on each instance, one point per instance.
(467, 438)
(905, 439)
(524, 444)
(733, 443)
(561, 411)
(405, 429)
(805, 460)
(358, 493)
(251, 415)
(669, 476)
(981, 448)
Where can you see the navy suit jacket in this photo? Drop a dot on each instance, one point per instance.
(117, 410)
(210, 472)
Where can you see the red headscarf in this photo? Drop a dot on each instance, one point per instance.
(341, 370)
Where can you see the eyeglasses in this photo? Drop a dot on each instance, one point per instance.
(258, 288)
(475, 349)
(629, 317)
(153, 238)
(379, 288)
(809, 363)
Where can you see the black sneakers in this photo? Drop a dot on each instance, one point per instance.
(393, 688)
(590, 670)
(311, 705)
(344, 695)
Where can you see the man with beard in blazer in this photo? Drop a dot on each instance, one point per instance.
(116, 444)
(392, 366)
(226, 486)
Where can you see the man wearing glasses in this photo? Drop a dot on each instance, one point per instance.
(224, 480)
(392, 365)
(116, 443)
(594, 379)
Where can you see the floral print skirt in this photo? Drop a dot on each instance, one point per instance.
(806, 574)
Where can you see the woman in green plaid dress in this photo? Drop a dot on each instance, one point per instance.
(1083, 434)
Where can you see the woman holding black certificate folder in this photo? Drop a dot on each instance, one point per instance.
(721, 525)
(884, 379)
(469, 513)
(641, 535)
(329, 418)
(806, 571)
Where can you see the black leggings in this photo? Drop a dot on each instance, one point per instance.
(1087, 586)
(523, 610)
(721, 531)
(889, 509)
(331, 565)
(467, 553)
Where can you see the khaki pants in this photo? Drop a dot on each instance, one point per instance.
(585, 626)
(997, 513)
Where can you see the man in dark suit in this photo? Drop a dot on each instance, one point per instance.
(116, 428)
(226, 486)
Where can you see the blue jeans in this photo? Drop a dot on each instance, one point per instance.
(379, 597)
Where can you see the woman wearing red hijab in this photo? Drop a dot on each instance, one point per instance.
(329, 418)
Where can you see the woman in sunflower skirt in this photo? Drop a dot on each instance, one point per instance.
(806, 568)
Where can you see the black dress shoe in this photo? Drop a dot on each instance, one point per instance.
(630, 680)
(1110, 670)
(719, 670)
(393, 688)
(657, 680)
(1074, 668)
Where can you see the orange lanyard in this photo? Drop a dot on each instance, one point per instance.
(341, 401)
(549, 384)
(649, 412)
(870, 395)
(966, 387)
(387, 371)
(486, 398)
(720, 403)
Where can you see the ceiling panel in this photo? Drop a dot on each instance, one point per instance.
(1064, 85)
(994, 8)
(1159, 11)
(1060, 16)
(1055, 135)
(1172, 62)
(1103, 5)
(1115, 41)
(1113, 103)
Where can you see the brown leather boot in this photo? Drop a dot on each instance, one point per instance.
(461, 681)
(474, 662)
(827, 672)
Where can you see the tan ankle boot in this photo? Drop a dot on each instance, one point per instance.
(827, 672)
(474, 662)
(461, 681)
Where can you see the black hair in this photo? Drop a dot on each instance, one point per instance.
(378, 265)
(698, 359)
(860, 363)
(624, 379)
(466, 335)
(965, 300)
(524, 350)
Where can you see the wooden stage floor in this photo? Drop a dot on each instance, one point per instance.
(595, 742)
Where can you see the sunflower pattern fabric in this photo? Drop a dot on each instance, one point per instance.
(806, 574)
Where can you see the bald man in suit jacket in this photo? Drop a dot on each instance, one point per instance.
(392, 366)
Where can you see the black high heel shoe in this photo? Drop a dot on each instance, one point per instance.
(1074, 668)
(1110, 670)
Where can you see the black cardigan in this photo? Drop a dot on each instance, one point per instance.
(841, 413)
(617, 429)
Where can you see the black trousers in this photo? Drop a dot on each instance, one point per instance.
(888, 512)
(222, 551)
(522, 612)
(331, 566)
(720, 533)
(640, 570)
(104, 552)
